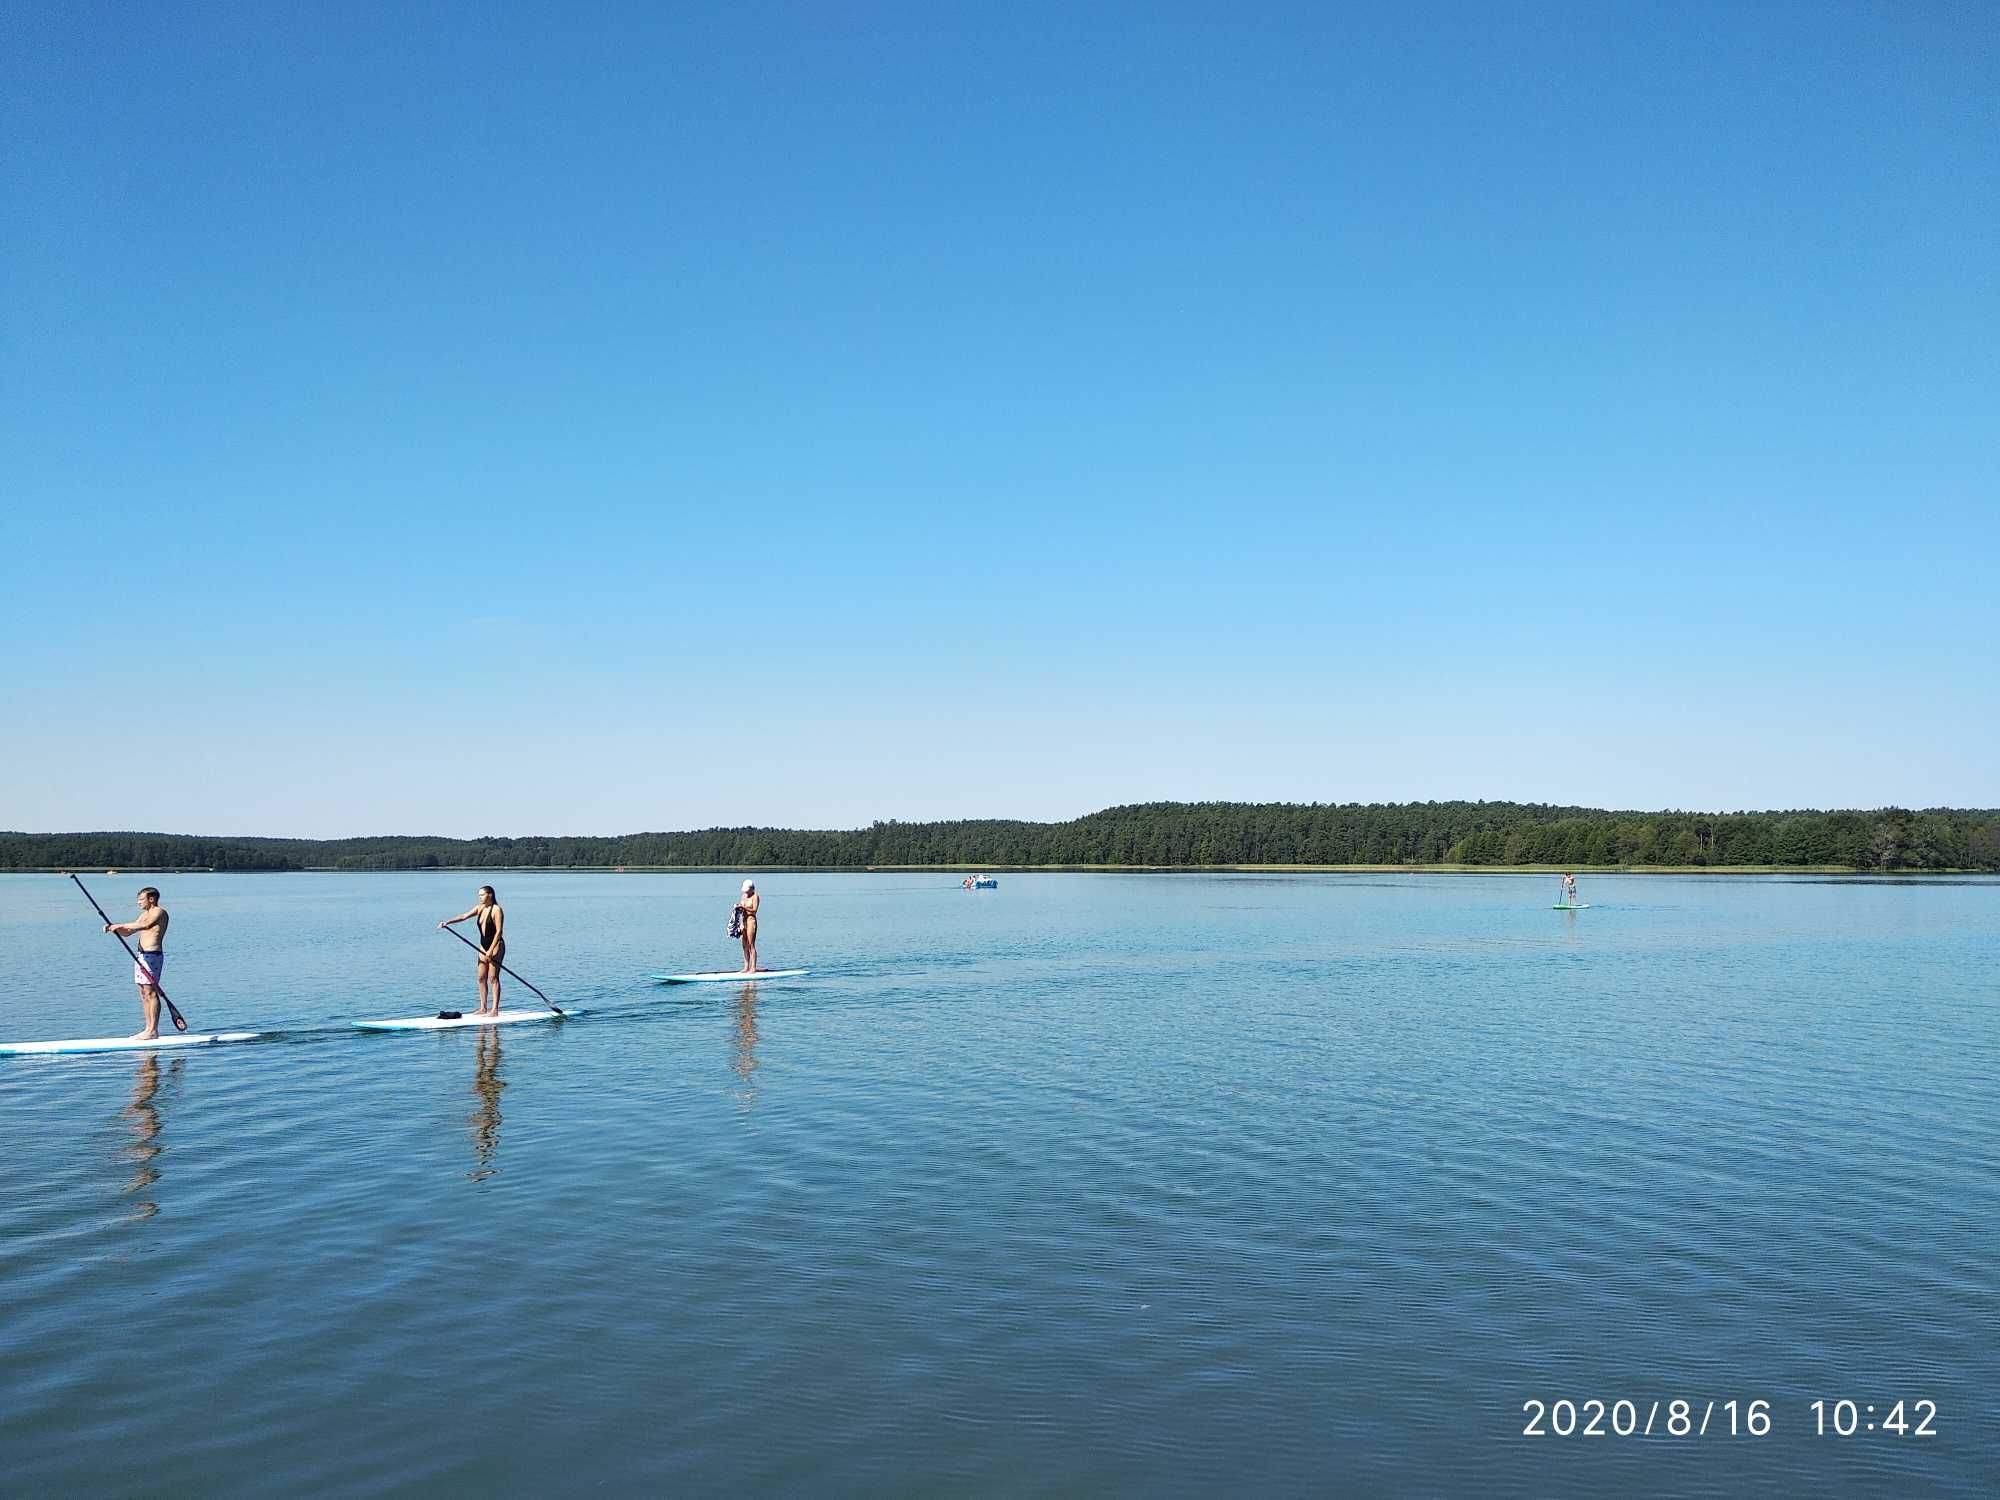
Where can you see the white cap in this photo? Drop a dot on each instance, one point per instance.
(749, 885)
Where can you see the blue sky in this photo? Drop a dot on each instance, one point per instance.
(597, 418)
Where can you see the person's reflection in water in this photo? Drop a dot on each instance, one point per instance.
(485, 1120)
(142, 1115)
(746, 1046)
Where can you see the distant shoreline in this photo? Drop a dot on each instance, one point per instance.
(1437, 869)
(1322, 838)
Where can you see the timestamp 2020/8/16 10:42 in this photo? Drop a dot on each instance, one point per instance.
(1678, 1417)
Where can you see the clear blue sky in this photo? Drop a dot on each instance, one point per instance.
(583, 418)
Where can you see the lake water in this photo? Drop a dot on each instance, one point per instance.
(1093, 1183)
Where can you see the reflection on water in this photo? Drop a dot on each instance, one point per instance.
(745, 1061)
(1064, 1194)
(485, 1120)
(142, 1116)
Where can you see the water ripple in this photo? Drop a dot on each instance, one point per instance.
(1189, 1186)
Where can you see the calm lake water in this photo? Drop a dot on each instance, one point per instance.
(1093, 1183)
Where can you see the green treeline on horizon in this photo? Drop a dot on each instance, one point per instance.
(1148, 834)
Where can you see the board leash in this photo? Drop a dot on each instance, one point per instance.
(504, 970)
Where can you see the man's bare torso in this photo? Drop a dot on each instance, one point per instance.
(151, 927)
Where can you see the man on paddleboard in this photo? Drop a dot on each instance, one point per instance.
(492, 944)
(1569, 888)
(151, 928)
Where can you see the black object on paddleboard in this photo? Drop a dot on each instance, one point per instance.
(504, 970)
(180, 1021)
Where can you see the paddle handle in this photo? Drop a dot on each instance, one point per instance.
(504, 969)
(180, 1021)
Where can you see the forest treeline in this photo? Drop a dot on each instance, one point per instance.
(1156, 833)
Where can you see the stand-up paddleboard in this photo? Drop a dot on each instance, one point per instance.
(445, 1020)
(1571, 906)
(125, 1043)
(725, 977)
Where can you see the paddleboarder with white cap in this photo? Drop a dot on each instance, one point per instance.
(746, 913)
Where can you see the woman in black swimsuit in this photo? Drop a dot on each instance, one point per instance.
(492, 944)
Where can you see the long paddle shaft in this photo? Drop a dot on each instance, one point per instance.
(505, 970)
(180, 1021)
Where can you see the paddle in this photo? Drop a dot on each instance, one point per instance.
(505, 970)
(180, 1021)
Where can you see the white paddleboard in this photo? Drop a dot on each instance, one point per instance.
(1577, 906)
(467, 1018)
(126, 1043)
(734, 974)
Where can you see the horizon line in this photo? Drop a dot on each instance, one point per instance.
(1578, 808)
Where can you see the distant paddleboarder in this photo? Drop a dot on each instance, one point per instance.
(151, 928)
(492, 944)
(746, 924)
(1569, 889)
